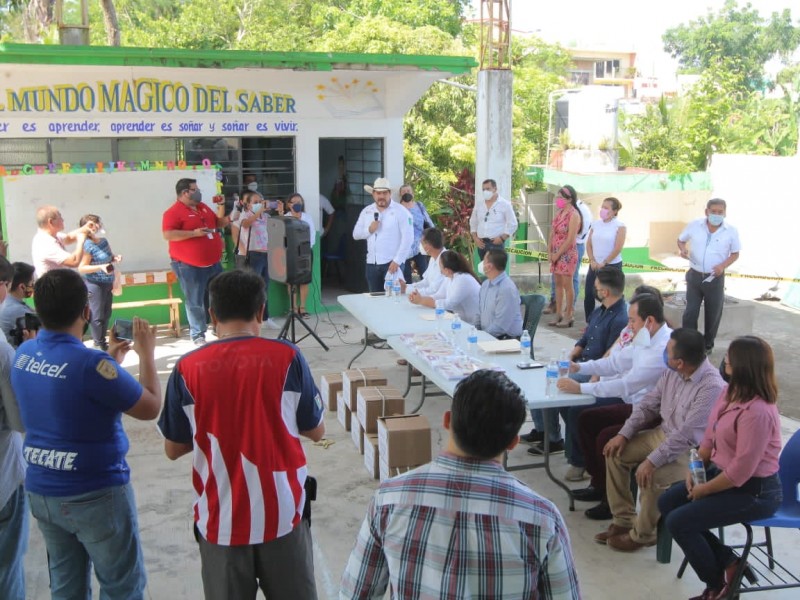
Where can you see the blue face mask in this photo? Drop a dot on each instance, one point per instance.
(666, 361)
(716, 220)
(297, 207)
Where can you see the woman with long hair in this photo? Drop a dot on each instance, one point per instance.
(740, 452)
(462, 289)
(567, 222)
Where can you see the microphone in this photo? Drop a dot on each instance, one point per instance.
(376, 215)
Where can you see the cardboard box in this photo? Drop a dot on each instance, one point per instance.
(374, 402)
(356, 378)
(342, 412)
(404, 440)
(371, 455)
(329, 384)
(357, 435)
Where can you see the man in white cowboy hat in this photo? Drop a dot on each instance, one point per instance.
(388, 229)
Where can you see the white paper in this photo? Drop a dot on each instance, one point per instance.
(160, 277)
(709, 279)
(139, 277)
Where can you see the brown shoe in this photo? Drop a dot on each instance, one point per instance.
(625, 543)
(603, 537)
(402, 362)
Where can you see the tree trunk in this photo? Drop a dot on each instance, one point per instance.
(111, 22)
(37, 17)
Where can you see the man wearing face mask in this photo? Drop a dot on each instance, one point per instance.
(250, 183)
(682, 398)
(388, 229)
(498, 301)
(492, 221)
(14, 306)
(711, 245)
(195, 248)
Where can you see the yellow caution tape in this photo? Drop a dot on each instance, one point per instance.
(544, 256)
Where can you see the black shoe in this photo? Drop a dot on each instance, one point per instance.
(587, 494)
(532, 437)
(601, 512)
(538, 448)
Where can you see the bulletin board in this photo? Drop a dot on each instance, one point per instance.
(130, 204)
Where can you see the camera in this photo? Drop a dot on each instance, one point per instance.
(29, 322)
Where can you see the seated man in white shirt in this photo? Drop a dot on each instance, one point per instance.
(432, 280)
(630, 373)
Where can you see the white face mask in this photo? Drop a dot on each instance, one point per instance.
(100, 234)
(480, 268)
(487, 194)
(642, 337)
(252, 186)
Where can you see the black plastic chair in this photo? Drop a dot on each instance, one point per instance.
(534, 305)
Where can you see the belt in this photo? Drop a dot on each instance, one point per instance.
(703, 274)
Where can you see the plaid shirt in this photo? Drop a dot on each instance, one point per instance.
(460, 528)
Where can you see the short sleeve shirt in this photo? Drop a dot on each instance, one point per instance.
(707, 249)
(48, 252)
(201, 251)
(71, 399)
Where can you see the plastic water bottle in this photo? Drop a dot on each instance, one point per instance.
(455, 330)
(472, 342)
(552, 379)
(563, 364)
(696, 467)
(396, 290)
(525, 344)
(439, 312)
(387, 284)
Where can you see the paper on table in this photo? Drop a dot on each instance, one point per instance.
(499, 346)
(431, 316)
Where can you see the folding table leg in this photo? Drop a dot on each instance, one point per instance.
(363, 348)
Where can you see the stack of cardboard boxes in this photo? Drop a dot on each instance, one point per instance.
(372, 412)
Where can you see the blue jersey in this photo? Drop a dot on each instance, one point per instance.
(71, 399)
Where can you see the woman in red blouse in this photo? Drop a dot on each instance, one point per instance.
(740, 450)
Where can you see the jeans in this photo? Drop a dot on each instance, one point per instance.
(551, 414)
(375, 276)
(712, 296)
(588, 291)
(98, 528)
(194, 284)
(488, 245)
(570, 414)
(689, 522)
(100, 299)
(259, 263)
(13, 545)
(576, 277)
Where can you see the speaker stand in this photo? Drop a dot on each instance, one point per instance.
(293, 317)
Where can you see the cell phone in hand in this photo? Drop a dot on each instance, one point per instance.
(529, 365)
(123, 329)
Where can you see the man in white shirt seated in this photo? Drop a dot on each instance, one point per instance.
(432, 279)
(388, 230)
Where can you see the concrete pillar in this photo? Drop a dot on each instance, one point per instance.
(493, 155)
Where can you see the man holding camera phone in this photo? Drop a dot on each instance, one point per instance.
(14, 307)
(71, 399)
(195, 248)
(243, 432)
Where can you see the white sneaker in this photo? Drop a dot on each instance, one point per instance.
(270, 324)
(575, 473)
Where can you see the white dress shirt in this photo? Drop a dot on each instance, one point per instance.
(586, 215)
(463, 292)
(706, 249)
(495, 221)
(431, 279)
(391, 241)
(630, 373)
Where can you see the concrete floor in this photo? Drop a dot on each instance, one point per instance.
(164, 498)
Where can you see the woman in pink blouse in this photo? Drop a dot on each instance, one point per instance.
(740, 450)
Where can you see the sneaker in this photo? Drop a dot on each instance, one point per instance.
(575, 473)
(199, 341)
(270, 324)
(538, 449)
(532, 437)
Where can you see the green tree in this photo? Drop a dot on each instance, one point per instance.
(740, 34)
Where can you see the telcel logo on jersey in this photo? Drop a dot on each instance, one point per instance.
(40, 367)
